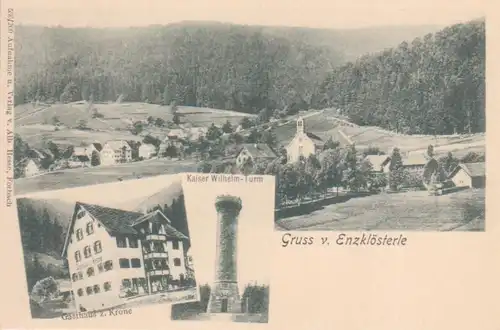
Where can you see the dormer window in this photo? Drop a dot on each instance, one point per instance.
(81, 213)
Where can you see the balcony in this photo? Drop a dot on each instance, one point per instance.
(158, 272)
(156, 237)
(151, 255)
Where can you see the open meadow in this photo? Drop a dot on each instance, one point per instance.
(78, 177)
(35, 124)
(326, 123)
(400, 211)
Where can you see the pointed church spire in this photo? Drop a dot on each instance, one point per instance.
(300, 125)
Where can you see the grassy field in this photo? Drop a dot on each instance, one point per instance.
(34, 123)
(325, 124)
(403, 211)
(79, 177)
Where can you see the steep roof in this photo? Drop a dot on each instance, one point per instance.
(157, 215)
(259, 150)
(472, 169)
(83, 158)
(415, 160)
(77, 151)
(116, 221)
(97, 146)
(377, 161)
(118, 144)
(148, 145)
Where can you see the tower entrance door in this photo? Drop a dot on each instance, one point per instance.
(224, 305)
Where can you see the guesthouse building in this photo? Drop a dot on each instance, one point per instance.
(114, 255)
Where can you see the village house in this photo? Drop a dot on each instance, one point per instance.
(115, 152)
(87, 150)
(116, 254)
(303, 144)
(32, 167)
(79, 161)
(472, 175)
(379, 163)
(415, 162)
(255, 152)
(146, 151)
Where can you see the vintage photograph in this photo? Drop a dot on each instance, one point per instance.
(231, 224)
(95, 248)
(364, 128)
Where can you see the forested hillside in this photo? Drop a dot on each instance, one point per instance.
(242, 68)
(432, 85)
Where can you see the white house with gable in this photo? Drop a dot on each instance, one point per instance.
(303, 144)
(114, 255)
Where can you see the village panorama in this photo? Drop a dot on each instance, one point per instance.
(391, 136)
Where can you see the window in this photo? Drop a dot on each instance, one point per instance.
(107, 286)
(175, 245)
(158, 247)
(74, 277)
(132, 243)
(87, 252)
(90, 228)
(90, 271)
(126, 283)
(121, 242)
(80, 275)
(97, 247)
(80, 214)
(80, 292)
(78, 256)
(108, 265)
(136, 263)
(89, 290)
(97, 288)
(79, 234)
(100, 267)
(177, 262)
(124, 263)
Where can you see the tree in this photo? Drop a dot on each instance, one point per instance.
(55, 121)
(227, 127)
(137, 128)
(430, 151)
(148, 139)
(354, 176)
(176, 118)
(396, 170)
(94, 159)
(159, 122)
(44, 289)
(69, 93)
(246, 123)
(82, 125)
(213, 133)
(330, 144)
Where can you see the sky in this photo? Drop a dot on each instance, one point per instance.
(339, 14)
(255, 229)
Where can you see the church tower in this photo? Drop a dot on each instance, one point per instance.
(300, 125)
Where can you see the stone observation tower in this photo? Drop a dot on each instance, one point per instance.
(224, 296)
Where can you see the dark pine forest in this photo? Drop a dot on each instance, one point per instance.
(431, 84)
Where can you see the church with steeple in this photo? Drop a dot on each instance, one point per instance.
(303, 143)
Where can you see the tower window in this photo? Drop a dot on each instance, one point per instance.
(177, 262)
